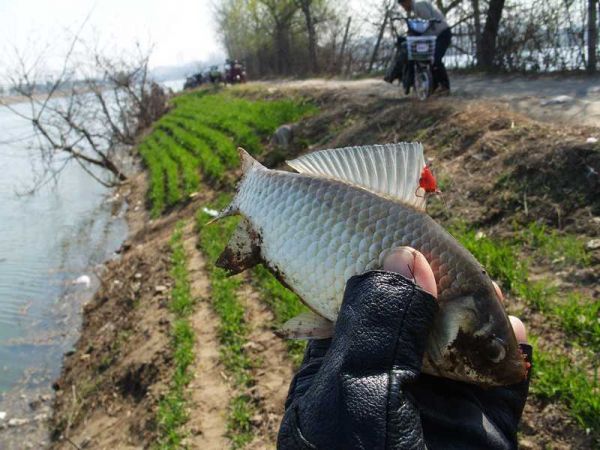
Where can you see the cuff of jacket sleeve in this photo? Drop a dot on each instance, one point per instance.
(298, 441)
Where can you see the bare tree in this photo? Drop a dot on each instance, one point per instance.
(490, 33)
(379, 38)
(477, 28)
(307, 9)
(592, 33)
(279, 37)
(281, 13)
(512, 35)
(344, 43)
(92, 111)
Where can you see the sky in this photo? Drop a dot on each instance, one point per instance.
(181, 31)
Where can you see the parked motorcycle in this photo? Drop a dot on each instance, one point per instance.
(214, 75)
(193, 81)
(235, 72)
(414, 54)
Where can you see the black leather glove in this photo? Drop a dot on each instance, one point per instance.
(357, 397)
(363, 388)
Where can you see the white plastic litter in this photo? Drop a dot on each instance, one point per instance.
(558, 100)
(210, 212)
(591, 140)
(2, 415)
(83, 280)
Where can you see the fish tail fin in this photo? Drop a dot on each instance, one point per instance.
(243, 249)
(248, 164)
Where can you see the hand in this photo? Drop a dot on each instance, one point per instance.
(451, 412)
(412, 265)
(363, 389)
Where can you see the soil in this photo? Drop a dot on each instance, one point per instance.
(496, 166)
(209, 391)
(108, 391)
(273, 373)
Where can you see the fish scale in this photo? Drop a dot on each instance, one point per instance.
(316, 230)
(303, 215)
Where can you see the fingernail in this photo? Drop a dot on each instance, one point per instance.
(498, 292)
(402, 261)
(519, 329)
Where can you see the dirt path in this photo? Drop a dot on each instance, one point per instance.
(573, 99)
(274, 373)
(209, 391)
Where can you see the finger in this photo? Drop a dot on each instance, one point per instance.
(498, 291)
(519, 329)
(411, 264)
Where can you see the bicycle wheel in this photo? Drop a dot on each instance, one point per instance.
(423, 81)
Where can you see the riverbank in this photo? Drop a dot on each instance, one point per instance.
(513, 193)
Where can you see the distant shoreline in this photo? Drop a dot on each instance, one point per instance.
(12, 99)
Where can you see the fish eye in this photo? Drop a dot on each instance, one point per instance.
(496, 350)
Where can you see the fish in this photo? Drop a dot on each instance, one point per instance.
(339, 215)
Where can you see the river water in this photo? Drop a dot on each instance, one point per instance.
(48, 240)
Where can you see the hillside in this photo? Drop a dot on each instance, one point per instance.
(173, 352)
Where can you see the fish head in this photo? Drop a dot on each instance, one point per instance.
(472, 340)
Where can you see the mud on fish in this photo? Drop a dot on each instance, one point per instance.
(339, 216)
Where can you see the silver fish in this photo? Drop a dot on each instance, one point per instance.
(339, 217)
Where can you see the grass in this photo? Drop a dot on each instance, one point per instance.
(187, 163)
(556, 377)
(156, 191)
(172, 409)
(580, 316)
(198, 139)
(242, 133)
(233, 330)
(284, 304)
(164, 177)
(210, 164)
(576, 315)
(220, 144)
(549, 244)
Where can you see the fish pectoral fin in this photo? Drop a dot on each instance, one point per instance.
(307, 325)
(242, 251)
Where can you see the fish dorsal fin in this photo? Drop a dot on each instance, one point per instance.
(392, 169)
